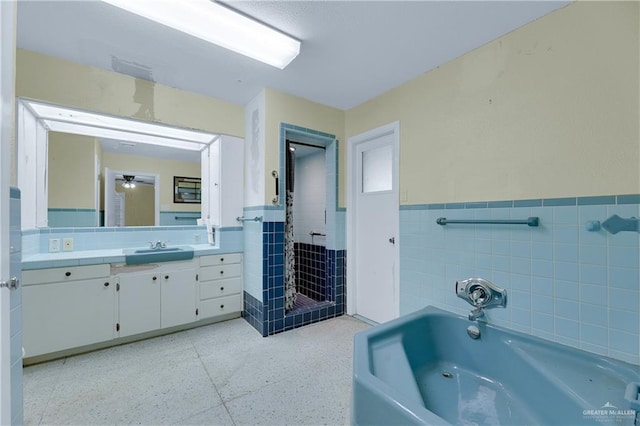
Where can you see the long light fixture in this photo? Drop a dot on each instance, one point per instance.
(210, 21)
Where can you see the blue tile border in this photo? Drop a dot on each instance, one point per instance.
(628, 199)
(454, 206)
(546, 202)
(481, 205)
(499, 204)
(527, 203)
(559, 202)
(595, 201)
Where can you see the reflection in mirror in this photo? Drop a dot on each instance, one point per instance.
(131, 197)
(152, 148)
(77, 182)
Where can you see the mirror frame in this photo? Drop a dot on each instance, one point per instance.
(32, 147)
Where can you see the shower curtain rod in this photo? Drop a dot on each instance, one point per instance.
(307, 144)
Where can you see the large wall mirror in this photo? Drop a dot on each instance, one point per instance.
(79, 168)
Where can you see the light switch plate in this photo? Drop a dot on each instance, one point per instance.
(54, 244)
(67, 244)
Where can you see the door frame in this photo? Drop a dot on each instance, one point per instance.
(7, 62)
(352, 191)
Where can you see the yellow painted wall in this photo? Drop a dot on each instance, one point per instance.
(548, 110)
(283, 108)
(167, 169)
(139, 205)
(71, 181)
(80, 86)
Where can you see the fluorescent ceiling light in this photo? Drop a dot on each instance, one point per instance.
(219, 25)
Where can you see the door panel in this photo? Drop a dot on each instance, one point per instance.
(139, 303)
(376, 227)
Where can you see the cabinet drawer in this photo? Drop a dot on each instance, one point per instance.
(72, 273)
(220, 259)
(218, 288)
(220, 306)
(220, 272)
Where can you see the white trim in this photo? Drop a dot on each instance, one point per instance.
(7, 67)
(352, 144)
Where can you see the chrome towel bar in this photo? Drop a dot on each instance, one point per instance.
(531, 221)
(249, 219)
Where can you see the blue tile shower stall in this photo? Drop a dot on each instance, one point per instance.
(269, 317)
(567, 280)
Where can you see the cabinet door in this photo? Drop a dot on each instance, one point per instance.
(65, 315)
(139, 303)
(178, 296)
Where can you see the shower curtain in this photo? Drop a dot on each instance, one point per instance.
(290, 291)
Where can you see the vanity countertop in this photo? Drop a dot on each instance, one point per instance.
(96, 257)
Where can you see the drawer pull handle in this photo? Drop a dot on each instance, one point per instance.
(155, 278)
(221, 288)
(221, 306)
(222, 259)
(67, 274)
(166, 277)
(221, 272)
(106, 284)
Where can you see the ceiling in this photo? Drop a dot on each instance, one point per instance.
(351, 51)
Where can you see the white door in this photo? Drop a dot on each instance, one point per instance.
(373, 237)
(7, 62)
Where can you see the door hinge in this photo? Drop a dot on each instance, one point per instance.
(12, 284)
(117, 326)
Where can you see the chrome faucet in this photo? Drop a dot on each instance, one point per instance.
(157, 244)
(481, 294)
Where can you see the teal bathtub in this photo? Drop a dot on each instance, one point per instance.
(425, 369)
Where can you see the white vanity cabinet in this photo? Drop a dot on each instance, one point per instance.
(220, 285)
(67, 307)
(151, 299)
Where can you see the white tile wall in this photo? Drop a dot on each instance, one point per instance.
(309, 203)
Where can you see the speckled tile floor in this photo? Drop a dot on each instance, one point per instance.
(221, 374)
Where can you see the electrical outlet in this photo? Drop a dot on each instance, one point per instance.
(54, 244)
(67, 244)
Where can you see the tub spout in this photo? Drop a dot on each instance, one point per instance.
(476, 314)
